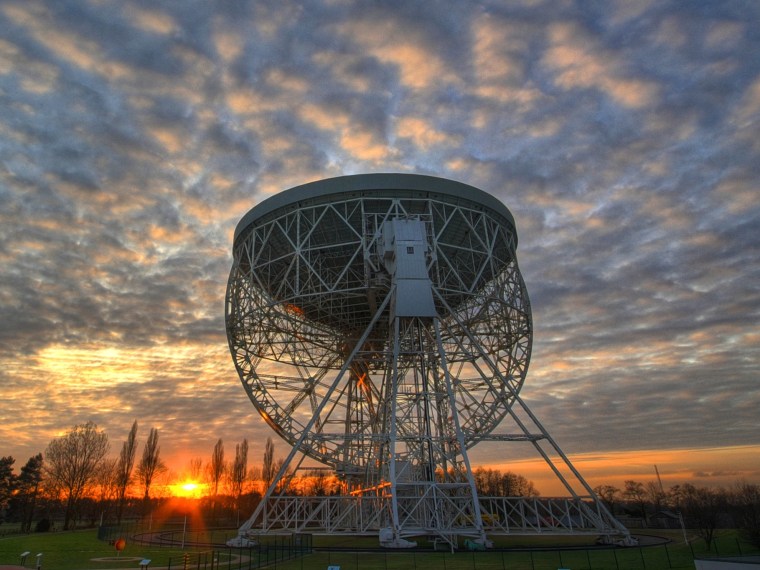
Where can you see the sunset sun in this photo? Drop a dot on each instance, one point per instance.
(187, 489)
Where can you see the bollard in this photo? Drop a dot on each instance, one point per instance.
(39, 561)
(23, 557)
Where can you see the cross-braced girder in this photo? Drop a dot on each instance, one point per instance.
(366, 514)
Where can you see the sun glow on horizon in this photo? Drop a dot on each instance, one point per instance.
(187, 489)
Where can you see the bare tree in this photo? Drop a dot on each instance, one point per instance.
(217, 465)
(318, 482)
(7, 481)
(73, 460)
(268, 470)
(655, 494)
(514, 485)
(286, 474)
(151, 464)
(28, 489)
(746, 499)
(254, 474)
(487, 481)
(634, 492)
(674, 498)
(492, 482)
(196, 468)
(106, 484)
(124, 469)
(239, 470)
(608, 494)
(702, 507)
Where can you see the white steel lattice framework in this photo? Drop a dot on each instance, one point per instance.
(380, 325)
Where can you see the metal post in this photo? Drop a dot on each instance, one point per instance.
(683, 527)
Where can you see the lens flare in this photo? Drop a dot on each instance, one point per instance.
(187, 489)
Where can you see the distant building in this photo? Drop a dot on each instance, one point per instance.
(664, 519)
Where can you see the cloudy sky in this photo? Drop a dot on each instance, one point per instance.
(624, 137)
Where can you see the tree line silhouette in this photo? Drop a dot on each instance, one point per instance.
(702, 509)
(77, 482)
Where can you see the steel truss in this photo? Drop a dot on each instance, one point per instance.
(367, 514)
(393, 400)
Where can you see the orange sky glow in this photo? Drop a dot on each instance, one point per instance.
(81, 370)
(702, 467)
(708, 467)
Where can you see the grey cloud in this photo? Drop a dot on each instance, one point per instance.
(120, 188)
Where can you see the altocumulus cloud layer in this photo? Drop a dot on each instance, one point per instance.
(622, 135)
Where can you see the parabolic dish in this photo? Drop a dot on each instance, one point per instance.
(310, 276)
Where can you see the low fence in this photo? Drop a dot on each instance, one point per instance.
(677, 557)
(206, 550)
(673, 555)
(235, 559)
(646, 558)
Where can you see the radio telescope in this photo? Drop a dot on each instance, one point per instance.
(380, 325)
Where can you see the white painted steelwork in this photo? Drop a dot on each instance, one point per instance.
(380, 325)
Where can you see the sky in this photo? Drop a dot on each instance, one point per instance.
(622, 135)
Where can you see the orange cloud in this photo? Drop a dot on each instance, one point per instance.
(360, 143)
(499, 48)
(154, 21)
(581, 63)
(421, 132)
(749, 108)
(392, 43)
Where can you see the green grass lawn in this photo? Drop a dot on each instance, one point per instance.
(77, 550)
(676, 555)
